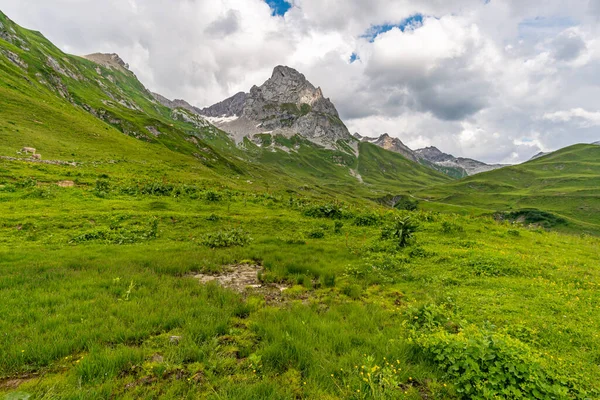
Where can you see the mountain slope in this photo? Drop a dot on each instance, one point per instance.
(565, 183)
(94, 111)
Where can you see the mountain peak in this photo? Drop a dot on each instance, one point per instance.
(286, 103)
(109, 60)
(284, 71)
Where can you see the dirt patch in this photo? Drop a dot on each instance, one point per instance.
(15, 382)
(238, 278)
(66, 183)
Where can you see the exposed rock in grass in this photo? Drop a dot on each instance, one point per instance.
(237, 277)
(15, 59)
(65, 183)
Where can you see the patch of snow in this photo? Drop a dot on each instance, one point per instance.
(221, 120)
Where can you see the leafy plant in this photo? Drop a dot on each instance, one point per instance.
(316, 234)
(228, 238)
(486, 365)
(366, 220)
(451, 227)
(402, 230)
(331, 210)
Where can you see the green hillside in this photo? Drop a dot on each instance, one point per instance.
(565, 183)
(72, 109)
(148, 256)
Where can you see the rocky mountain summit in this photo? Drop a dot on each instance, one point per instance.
(390, 143)
(112, 61)
(470, 166)
(286, 104)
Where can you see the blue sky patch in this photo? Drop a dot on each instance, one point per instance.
(412, 22)
(354, 57)
(278, 7)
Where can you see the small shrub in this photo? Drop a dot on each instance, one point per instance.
(352, 291)
(418, 252)
(316, 234)
(406, 203)
(333, 211)
(486, 365)
(26, 183)
(211, 195)
(430, 317)
(213, 218)
(229, 238)
(513, 232)
(451, 227)
(366, 220)
(532, 216)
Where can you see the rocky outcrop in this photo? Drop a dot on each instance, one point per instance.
(470, 166)
(230, 107)
(112, 61)
(390, 143)
(287, 104)
(174, 104)
(15, 59)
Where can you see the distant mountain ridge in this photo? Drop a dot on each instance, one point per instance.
(390, 143)
(470, 166)
(457, 167)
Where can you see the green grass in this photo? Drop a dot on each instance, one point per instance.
(98, 298)
(565, 183)
(114, 306)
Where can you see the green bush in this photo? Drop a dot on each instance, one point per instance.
(333, 211)
(532, 216)
(229, 238)
(486, 365)
(213, 196)
(451, 227)
(366, 220)
(406, 203)
(316, 234)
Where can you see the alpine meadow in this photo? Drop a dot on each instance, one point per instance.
(256, 249)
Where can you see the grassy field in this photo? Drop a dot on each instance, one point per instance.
(97, 280)
(565, 183)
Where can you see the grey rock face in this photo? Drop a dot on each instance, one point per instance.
(15, 59)
(177, 103)
(232, 106)
(112, 61)
(471, 167)
(596, 143)
(287, 103)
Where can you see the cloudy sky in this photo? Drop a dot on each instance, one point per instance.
(496, 80)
